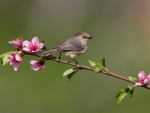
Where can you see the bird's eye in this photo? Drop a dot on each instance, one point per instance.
(84, 36)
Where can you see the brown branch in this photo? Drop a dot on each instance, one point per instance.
(85, 68)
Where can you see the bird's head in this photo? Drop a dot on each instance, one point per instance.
(83, 37)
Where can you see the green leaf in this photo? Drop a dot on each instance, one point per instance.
(130, 87)
(103, 62)
(8, 53)
(96, 70)
(122, 94)
(100, 66)
(97, 66)
(44, 47)
(1, 62)
(69, 73)
(131, 91)
(5, 60)
(132, 78)
(93, 64)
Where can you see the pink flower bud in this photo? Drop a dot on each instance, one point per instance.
(18, 43)
(37, 65)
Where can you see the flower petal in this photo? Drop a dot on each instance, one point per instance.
(35, 41)
(33, 61)
(11, 62)
(16, 66)
(18, 58)
(142, 75)
(145, 81)
(10, 42)
(148, 77)
(26, 49)
(35, 50)
(12, 56)
(27, 44)
(42, 67)
(18, 43)
(15, 43)
(138, 84)
(35, 66)
(41, 45)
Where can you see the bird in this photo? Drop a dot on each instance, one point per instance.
(71, 47)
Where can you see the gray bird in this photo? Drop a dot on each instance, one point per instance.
(71, 47)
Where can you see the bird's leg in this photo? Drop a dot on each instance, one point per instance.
(59, 56)
(76, 62)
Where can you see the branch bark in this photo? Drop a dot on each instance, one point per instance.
(81, 67)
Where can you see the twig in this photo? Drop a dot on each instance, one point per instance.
(85, 68)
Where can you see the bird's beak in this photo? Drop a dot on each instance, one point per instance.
(90, 38)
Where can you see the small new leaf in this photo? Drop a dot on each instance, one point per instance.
(69, 73)
(5, 60)
(1, 62)
(93, 64)
(100, 66)
(131, 91)
(44, 47)
(130, 87)
(132, 78)
(97, 69)
(122, 94)
(103, 62)
(97, 66)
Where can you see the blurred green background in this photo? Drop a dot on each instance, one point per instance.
(121, 33)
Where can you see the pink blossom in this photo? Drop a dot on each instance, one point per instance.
(37, 65)
(18, 43)
(32, 46)
(15, 60)
(143, 79)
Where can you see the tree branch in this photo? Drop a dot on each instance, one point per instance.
(81, 67)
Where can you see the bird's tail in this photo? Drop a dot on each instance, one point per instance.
(48, 51)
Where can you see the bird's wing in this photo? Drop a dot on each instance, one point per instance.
(72, 45)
